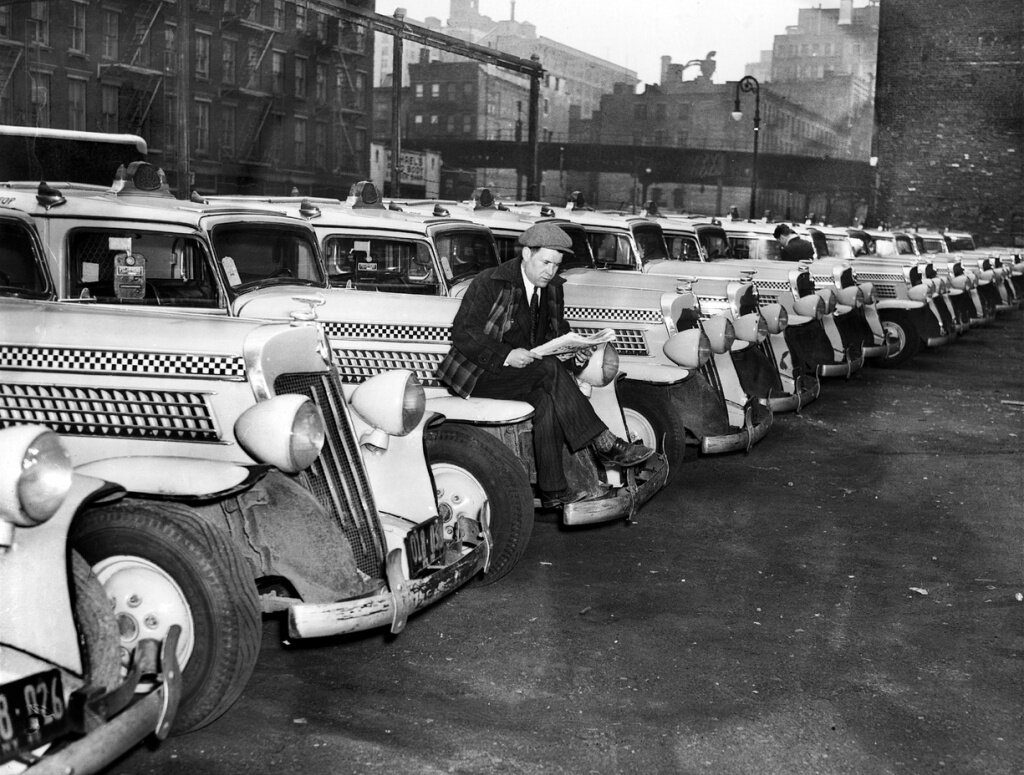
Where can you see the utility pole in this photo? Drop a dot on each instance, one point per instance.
(396, 107)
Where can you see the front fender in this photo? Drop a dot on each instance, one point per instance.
(188, 480)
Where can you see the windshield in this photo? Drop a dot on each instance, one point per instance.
(716, 244)
(839, 247)
(933, 245)
(380, 264)
(965, 242)
(613, 250)
(651, 241)
(253, 255)
(754, 246)
(905, 246)
(20, 271)
(885, 246)
(683, 247)
(121, 266)
(464, 254)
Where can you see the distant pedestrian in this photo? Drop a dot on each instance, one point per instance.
(793, 247)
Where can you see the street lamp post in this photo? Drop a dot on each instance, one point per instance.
(748, 83)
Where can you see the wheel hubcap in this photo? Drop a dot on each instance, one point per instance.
(459, 495)
(146, 601)
(640, 428)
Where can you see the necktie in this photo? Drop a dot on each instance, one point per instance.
(534, 315)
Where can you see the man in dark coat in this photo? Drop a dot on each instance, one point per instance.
(793, 247)
(507, 310)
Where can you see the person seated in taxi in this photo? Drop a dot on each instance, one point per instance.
(507, 310)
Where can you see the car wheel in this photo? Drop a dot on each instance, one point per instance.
(650, 421)
(899, 327)
(160, 564)
(469, 465)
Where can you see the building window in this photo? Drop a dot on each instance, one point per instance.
(78, 28)
(76, 103)
(111, 44)
(660, 111)
(321, 82)
(277, 16)
(228, 61)
(320, 145)
(419, 91)
(253, 79)
(418, 119)
(227, 131)
(450, 125)
(301, 152)
(467, 90)
(434, 119)
(321, 27)
(39, 17)
(467, 124)
(5, 21)
(202, 56)
(202, 136)
(452, 91)
(301, 64)
(108, 108)
(435, 91)
(40, 99)
(171, 123)
(547, 106)
(300, 16)
(277, 72)
(256, 11)
(170, 49)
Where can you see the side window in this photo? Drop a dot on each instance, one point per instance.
(19, 267)
(145, 268)
(740, 247)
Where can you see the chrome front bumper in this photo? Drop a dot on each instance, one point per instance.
(391, 607)
(754, 429)
(642, 483)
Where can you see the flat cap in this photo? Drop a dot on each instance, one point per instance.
(546, 235)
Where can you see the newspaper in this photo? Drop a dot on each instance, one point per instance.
(571, 342)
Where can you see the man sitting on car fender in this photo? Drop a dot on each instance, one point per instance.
(507, 310)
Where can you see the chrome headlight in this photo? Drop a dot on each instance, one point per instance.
(920, 293)
(286, 431)
(393, 401)
(35, 475)
(602, 367)
(812, 306)
(775, 317)
(751, 328)
(721, 333)
(852, 296)
(829, 297)
(690, 349)
(868, 289)
(963, 282)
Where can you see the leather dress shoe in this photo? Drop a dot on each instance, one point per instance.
(624, 454)
(550, 500)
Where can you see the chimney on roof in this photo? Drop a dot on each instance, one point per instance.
(845, 12)
(513, 12)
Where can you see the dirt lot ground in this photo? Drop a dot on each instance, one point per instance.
(846, 598)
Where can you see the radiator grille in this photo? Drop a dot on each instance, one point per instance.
(357, 366)
(337, 479)
(882, 290)
(114, 413)
(628, 341)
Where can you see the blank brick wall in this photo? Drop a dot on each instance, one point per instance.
(950, 116)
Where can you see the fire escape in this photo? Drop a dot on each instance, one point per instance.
(252, 82)
(350, 103)
(143, 81)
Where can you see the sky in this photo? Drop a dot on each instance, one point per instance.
(637, 33)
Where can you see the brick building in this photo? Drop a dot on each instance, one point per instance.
(950, 116)
(260, 95)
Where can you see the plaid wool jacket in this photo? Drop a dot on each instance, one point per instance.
(493, 320)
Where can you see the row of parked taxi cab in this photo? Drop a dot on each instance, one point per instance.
(246, 387)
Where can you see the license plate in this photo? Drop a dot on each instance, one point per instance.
(32, 712)
(425, 546)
